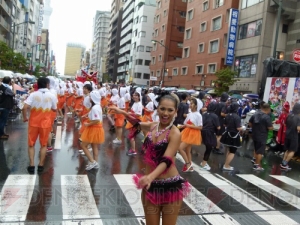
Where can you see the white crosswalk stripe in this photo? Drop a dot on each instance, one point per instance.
(77, 198)
(287, 180)
(272, 189)
(16, 195)
(246, 199)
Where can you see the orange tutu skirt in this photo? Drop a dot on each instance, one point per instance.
(129, 125)
(119, 120)
(93, 134)
(78, 103)
(108, 97)
(191, 136)
(103, 102)
(147, 117)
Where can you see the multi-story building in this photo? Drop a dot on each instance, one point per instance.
(74, 55)
(114, 38)
(114, 46)
(47, 14)
(195, 42)
(5, 20)
(100, 41)
(135, 45)
(256, 39)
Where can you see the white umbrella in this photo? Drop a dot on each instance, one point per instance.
(6, 73)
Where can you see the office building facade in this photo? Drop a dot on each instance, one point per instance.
(100, 41)
(73, 61)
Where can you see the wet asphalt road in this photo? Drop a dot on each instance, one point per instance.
(102, 188)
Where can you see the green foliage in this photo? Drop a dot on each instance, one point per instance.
(105, 78)
(11, 60)
(225, 78)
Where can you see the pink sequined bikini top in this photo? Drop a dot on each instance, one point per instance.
(154, 151)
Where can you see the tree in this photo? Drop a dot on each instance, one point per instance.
(11, 60)
(225, 78)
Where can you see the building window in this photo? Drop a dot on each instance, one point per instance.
(139, 62)
(153, 60)
(201, 47)
(225, 40)
(188, 33)
(158, 73)
(152, 73)
(142, 34)
(179, 44)
(148, 49)
(248, 3)
(156, 33)
(134, 45)
(182, 14)
(136, 20)
(165, 13)
(160, 58)
(135, 33)
(183, 0)
(159, 4)
(250, 29)
(190, 15)
(186, 52)
(138, 75)
(162, 42)
(140, 48)
(203, 26)
(184, 70)
(180, 29)
(246, 66)
(143, 19)
(146, 76)
(219, 3)
(163, 28)
(211, 68)
(156, 19)
(217, 23)
(199, 69)
(205, 6)
(285, 28)
(175, 71)
(154, 46)
(147, 63)
(214, 46)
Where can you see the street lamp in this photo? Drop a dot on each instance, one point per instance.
(165, 61)
(14, 29)
(279, 3)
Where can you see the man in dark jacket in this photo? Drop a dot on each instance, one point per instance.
(6, 104)
(221, 115)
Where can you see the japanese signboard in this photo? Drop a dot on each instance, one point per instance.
(231, 36)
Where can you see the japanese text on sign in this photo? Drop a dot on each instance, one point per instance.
(232, 32)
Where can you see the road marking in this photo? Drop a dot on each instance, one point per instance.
(57, 144)
(196, 201)
(16, 195)
(77, 198)
(83, 222)
(235, 192)
(287, 180)
(272, 189)
(246, 199)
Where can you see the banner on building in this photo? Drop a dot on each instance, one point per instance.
(231, 36)
(40, 29)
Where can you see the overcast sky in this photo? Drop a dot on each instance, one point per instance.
(72, 21)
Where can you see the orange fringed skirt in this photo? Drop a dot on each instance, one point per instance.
(78, 103)
(147, 117)
(103, 102)
(93, 134)
(108, 96)
(126, 106)
(83, 120)
(191, 136)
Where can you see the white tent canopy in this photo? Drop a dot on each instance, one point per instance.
(6, 73)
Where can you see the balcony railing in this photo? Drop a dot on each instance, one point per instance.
(125, 39)
(128, 27)
(5, 7)
(4, 23)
